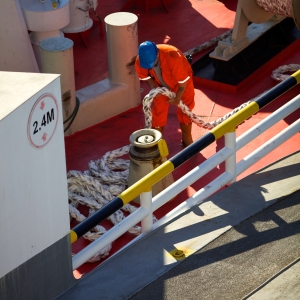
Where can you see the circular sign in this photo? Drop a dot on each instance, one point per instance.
(42, 121)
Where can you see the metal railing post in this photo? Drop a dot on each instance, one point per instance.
(230, 162)
(146, 202)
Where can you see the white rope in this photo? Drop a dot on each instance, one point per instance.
(98, 231)
(107, 177)
(279, 75)
(147, 101)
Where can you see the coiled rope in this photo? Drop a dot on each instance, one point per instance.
(108, 176)
(277, 7)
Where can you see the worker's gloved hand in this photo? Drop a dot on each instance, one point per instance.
(174, 101)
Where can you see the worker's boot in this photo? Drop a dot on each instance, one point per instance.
(186, 131)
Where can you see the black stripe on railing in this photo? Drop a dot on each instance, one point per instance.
(96, 218)
(192, 149)
(276, 91)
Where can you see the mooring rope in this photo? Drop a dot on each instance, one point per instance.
(277, 7)
(107, 177)
(277, 74)
(208, 44)
(148, 99)
(97, 191)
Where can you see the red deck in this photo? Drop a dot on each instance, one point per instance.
(189, 23)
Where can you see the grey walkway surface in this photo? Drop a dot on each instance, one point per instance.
(239, 261)
(241, 243)
(284, 285)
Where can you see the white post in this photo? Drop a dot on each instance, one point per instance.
(146, 202)
(44, 21)
(122, 47)
(57, 58)
(230, 162)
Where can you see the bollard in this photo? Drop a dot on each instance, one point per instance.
(122, 48)
(57, 58)
(145, 157)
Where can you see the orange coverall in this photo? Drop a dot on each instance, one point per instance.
(175, 69)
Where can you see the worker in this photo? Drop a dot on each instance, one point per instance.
(162, 65)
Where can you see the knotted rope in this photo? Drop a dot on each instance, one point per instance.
(107, 177)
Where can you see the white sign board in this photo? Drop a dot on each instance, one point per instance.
(42, 121)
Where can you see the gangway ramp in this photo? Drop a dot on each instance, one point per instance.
(232, 243)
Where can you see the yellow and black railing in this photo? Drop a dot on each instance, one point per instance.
(145, 184)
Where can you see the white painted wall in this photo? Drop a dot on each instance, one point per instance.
(33, 185)
(16, 50)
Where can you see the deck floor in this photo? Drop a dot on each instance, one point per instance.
(188, 24)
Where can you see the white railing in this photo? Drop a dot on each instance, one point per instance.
(232, 169)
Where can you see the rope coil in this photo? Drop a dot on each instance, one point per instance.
(279, 7)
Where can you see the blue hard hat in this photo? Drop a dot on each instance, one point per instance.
(147, 54)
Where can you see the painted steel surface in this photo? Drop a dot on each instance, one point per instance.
(145, 184)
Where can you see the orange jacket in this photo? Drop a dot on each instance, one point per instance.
(174, 65)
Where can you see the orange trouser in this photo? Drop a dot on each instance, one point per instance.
(160, 107)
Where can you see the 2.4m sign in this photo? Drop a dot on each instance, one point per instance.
(42, 121)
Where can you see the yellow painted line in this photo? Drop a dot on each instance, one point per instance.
(297, 76)
(145, 184)
(73, 236)
(231, 123)
(181, 253)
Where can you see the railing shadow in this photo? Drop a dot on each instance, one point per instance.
(251, 237)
